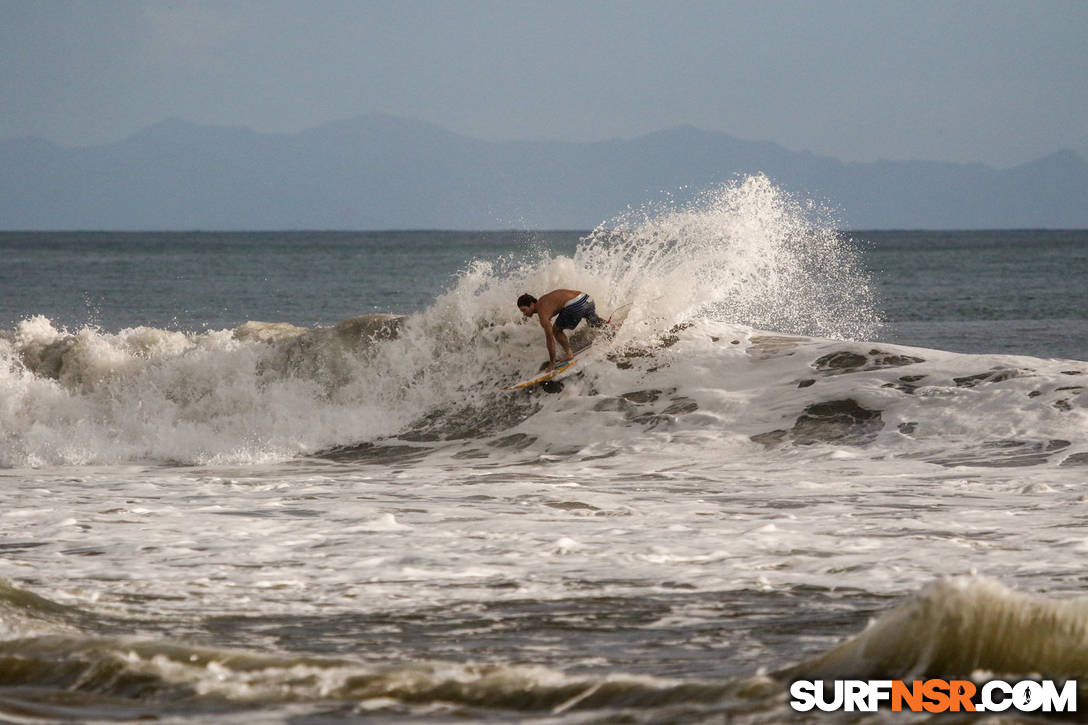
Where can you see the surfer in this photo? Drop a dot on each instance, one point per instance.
(569, 307)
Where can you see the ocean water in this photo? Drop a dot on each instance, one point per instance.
(273, 478)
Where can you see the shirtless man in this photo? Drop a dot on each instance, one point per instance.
(571, 306)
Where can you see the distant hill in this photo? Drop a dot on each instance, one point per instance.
(383, 172)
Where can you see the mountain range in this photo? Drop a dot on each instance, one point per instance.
(384, 172)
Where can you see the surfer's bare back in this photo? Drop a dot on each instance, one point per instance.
(569, 307)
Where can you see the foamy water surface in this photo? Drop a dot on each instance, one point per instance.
(272, 523)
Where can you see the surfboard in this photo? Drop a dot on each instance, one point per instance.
(613, 322)
(559, 369)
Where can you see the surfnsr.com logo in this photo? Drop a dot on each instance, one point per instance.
(933, 696)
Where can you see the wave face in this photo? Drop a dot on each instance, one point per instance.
(960, 626)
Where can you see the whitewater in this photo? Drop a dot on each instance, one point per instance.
(272, 522)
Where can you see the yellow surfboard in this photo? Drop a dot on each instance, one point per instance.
(559, 369)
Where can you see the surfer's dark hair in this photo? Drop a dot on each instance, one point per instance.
(525, 300)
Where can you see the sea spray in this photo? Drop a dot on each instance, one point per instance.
(745, 252)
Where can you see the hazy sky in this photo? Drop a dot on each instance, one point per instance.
(986, 80)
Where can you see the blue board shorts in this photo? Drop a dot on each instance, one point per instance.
(578, 309)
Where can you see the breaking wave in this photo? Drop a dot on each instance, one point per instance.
(701, 281)
(962, 627)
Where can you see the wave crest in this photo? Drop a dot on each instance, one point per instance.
(961, 626)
